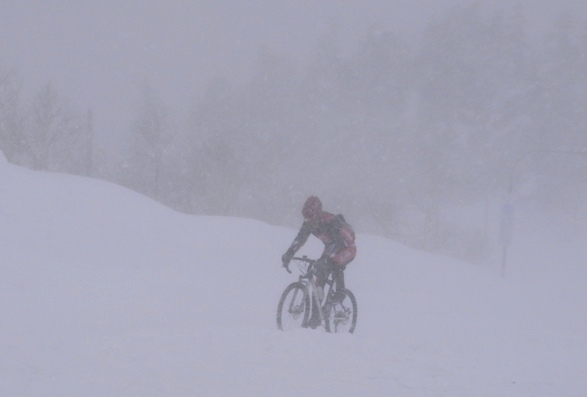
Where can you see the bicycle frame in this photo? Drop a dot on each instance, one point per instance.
(308, 278)
(337, 308)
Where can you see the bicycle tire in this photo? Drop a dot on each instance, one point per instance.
(294, 310)
(348, 310)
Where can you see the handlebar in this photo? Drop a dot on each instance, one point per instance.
(301, 261)
(304, 259)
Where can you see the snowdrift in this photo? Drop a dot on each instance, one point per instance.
(106, 293)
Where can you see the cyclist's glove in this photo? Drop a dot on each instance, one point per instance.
(286, 258)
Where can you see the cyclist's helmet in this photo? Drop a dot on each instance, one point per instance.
(312, 207)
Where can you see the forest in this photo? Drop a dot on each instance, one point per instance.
(397, 137)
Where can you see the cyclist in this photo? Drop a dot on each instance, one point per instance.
(339, 247)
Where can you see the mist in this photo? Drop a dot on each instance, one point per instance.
(419, 120)
(100, 54)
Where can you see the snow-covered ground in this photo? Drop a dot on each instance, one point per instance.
(106, 293)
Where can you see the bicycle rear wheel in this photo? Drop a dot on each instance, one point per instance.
(293, 308)
(342, 316)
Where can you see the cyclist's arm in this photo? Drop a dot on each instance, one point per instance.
(300, 239)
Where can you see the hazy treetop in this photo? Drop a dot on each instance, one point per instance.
(100, 53)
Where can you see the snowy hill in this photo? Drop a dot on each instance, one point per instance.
(106, 293)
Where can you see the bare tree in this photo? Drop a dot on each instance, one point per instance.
(151, 133)
(11, 117)
(55, 136)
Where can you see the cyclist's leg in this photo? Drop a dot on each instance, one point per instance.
(338, 276)
(340, 261)
(322, 270)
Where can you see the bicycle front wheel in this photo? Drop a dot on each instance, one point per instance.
(342, 316)
(293, 308)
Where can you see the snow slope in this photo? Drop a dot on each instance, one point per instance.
(106, 293)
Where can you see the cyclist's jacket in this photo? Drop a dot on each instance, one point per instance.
(337, 236)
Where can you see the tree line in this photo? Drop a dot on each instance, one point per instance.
(389, 133)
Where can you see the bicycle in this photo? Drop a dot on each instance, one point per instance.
(339, 308)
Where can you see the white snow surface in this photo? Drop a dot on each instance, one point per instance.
(104, 292)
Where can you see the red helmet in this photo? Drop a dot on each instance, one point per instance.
(312, 207)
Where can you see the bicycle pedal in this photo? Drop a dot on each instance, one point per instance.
(340, 315)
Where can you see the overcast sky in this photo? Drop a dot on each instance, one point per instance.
(98, 53)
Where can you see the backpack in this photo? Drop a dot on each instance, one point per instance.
(345, 231)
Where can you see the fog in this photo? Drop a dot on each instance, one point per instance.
(419, 119)
(100, 53)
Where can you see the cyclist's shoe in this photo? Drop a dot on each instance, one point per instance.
(326, 310)
(314, 321)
